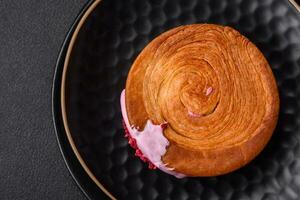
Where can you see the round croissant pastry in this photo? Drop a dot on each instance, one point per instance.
(200, 100)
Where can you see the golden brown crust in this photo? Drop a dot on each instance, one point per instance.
(220, 76)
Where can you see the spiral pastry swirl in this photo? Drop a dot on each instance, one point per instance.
(215, 91)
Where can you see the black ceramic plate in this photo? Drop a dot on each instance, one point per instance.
(91, 73)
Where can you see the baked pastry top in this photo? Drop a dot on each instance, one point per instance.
(200, 100)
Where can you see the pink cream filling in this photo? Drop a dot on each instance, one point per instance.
(192, 114)
(209, 91)
(151, 141)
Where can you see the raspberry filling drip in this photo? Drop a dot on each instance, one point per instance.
(149, 144)
(138, 153)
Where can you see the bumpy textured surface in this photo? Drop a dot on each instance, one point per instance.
(109, 42)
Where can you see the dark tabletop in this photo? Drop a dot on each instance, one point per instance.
(31, 34)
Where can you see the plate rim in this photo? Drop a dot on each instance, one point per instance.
(71, 161)
(58, 93)
(70, 46)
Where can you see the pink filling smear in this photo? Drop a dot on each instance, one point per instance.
(132, 143)
(192, 114)
(150, 143)
(208, 91)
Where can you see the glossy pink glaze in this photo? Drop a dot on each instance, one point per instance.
(151, 142)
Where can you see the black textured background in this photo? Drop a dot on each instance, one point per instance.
(109, 42)
(31, 34)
